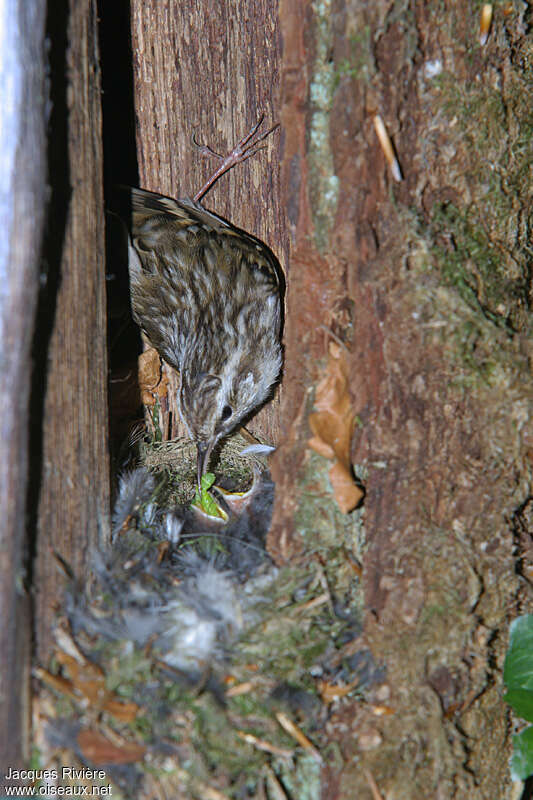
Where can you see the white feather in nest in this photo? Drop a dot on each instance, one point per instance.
(189, 608)
(135, 488)
(177, 603)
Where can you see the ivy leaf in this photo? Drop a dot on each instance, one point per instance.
(518, 676)
(518, 668)
(522, 758)
(521, 701)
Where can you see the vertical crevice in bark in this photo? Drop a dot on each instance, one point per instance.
(120, 169)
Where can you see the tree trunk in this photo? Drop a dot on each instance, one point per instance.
(22, 198)
(423, 284)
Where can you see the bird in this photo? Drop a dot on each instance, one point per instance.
(208, 296)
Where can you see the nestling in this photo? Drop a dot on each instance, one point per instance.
(208, 296)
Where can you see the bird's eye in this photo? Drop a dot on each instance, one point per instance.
(141, 245)
(227, 411)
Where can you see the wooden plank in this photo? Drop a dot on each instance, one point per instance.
(73, 514)
(22, 196)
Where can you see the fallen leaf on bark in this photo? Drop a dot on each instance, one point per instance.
(332, 425)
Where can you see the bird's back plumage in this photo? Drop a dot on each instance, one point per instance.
(192, 262)
(208, 296)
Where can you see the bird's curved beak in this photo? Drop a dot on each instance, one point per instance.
(204, 451)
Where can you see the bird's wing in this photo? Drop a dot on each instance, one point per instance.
(155, 218)
(146, 206)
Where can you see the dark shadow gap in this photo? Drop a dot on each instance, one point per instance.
(120, 168)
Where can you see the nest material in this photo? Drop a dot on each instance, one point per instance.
(183, 660)
(176, 461)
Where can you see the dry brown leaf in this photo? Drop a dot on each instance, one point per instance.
(124, 711)
(332, 425)
(153, 383)
(318, 445)
(99, 750)
(88, 679)
(330, 691)
(347, 492)
(61, 685)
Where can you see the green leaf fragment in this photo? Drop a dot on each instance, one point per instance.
(518, 676)
(522, 758)
(204, 500)
(518, 668)
(521, 701)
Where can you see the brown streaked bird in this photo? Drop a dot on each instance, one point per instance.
(208, 296)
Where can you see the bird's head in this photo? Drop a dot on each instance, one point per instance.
(212, 406)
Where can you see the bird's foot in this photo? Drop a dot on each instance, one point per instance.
(248, 146)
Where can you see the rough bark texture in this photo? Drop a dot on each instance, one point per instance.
(21, 213)
(426, 284)
(73, 512)
(422, 285)
(209, 71)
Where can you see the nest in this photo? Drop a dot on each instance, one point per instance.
(190, 666)
(175, 463)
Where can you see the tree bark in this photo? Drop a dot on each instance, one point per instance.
(71, 379)
(403, 276)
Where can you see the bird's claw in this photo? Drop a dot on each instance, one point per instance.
(248, 146)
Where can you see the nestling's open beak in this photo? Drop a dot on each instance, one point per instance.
(204, 451)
